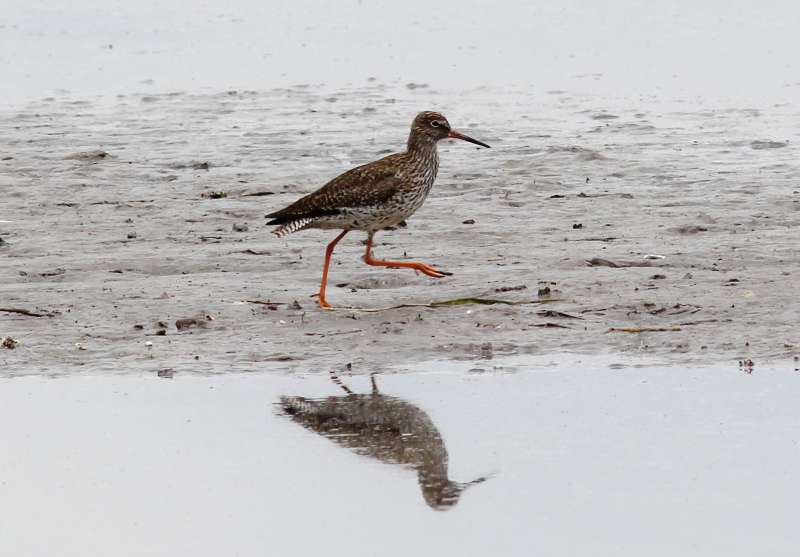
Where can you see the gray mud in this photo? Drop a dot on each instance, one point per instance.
(122, 216)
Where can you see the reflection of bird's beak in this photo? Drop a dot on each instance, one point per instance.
(465, 485)
(456, 135)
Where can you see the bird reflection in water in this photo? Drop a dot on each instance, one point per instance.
(386, 428)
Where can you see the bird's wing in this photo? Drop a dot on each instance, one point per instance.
(363, 186)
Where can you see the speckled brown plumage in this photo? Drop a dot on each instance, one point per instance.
(385, 428)
(374, 196)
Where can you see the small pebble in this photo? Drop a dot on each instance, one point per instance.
(9, 342)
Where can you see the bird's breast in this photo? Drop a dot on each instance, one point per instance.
(421, 172)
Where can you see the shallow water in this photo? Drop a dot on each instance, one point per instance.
(584, 457)
(741, 51)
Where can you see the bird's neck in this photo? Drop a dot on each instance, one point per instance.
(421, 146)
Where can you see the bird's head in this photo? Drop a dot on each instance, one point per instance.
(443, 494)
(435, 126)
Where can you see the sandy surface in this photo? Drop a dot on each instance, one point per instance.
(113, 248)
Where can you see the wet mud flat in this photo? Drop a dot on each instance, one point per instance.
(133, 231)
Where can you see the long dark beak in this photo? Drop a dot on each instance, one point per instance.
(456, 135)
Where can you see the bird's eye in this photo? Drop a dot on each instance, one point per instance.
(435, 123)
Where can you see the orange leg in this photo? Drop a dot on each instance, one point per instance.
(328, 252)
(421, 267)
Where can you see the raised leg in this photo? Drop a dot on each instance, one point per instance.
(328, 252)
(421, 267)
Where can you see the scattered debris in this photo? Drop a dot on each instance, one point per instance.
(449, 303)
(554, 313)
(643, 329)
(551, 326)
(620, 195)
(269, 305)
(599, 262)
(88, 156)
(577, 226)
(295, 305)
(544, 292)
(468, 221)
(334, 333)
(510, 288)
(277, 358)
(214, 194)
(200, 322)
(194, 165)
(652, 309)
(758, 144)
(240, 227)
(606, 239)
(653, 256)
(258, 193)
(701, 322)
(27, 312)
(658, 277)
(690, 229)
(9, 343)
(80, 346)
(479, 301)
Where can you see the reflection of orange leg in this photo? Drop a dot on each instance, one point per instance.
(421, 267)
(335, 379)
(328, 252)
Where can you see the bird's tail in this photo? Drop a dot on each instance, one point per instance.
(291, 226)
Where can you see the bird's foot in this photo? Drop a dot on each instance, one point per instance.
(322, 302)
(420, 267)
(430, 271)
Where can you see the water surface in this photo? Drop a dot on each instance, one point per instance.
(578, 459)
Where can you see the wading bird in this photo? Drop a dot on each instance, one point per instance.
(377, 195)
